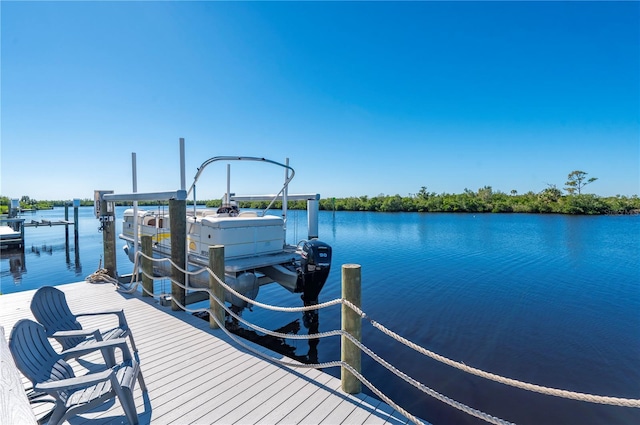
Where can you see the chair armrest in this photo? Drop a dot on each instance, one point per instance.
(76, 333)
(90, 347)
(122, 321)
(76, 382)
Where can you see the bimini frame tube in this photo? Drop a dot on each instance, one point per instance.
(285, 195)
(227, 196)
(183, 178)
(243, 158)
(134, 178)
(237, 158)
(313, 205)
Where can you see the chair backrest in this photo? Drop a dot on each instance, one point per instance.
(34, 355)
(49, 307)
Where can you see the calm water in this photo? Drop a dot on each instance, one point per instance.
(551, 300)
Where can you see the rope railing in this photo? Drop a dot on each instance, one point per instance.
(99, 276)
(598, 399)
(325, 365)
(365, 349)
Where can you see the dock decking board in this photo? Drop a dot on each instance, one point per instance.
(218, 381)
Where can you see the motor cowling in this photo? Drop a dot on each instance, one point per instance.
(315, 265)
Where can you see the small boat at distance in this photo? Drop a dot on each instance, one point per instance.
(256, 251)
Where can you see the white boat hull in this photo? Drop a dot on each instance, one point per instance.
(254, 243)
(255, 252)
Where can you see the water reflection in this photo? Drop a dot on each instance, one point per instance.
(17, 260)
(17, 264)
(516, 303)
(276, 344)
(574, 233)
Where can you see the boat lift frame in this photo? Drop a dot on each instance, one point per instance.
(106, 213)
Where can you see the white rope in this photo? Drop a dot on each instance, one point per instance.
(100, 276)
(284, 336)
(386, 399)
(461, 366)
(421, 386)
(360, 377)
(615, 401)
(242, 296)
(133, 284)
(270, 332)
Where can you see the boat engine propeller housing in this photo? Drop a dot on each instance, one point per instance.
(315, 265)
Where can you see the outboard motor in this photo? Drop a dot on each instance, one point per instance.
(314, 270)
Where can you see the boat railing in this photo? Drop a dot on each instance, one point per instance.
(210, 161)
(313, 207)
(216, 304)
(289, 173)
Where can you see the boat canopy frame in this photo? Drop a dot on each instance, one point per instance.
(282, 193)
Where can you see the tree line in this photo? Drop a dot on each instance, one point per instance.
(551, 200)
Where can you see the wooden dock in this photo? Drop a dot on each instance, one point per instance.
(11, 233)
(48, 223)
(198, 375)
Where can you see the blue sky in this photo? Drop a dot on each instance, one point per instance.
(363, 97)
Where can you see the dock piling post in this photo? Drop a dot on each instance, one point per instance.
(147, 266)
(351, 323)
(108, 236)
(76, 205)
(178, 224)
(66, 226)
(313, 206)
(216, 264)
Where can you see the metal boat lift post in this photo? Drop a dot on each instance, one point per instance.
(177, 214)
(178, 222)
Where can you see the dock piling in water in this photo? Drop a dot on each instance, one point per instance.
(216, 264)
(351, 323)
(178, 225)
(107, 220)
(147, 265)
(66, 218)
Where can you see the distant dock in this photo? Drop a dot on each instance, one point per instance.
(12, 227)
(11, 233)
(43, 222)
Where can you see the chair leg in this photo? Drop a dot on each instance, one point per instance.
(57, 414)
(133, 344)
(128, 405)
(143, 385)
